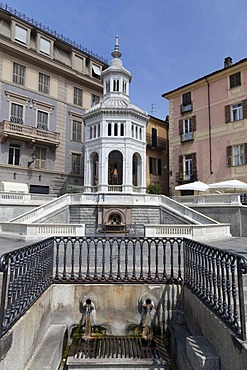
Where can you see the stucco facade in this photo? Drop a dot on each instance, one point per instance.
(208, 127)
(46, 84)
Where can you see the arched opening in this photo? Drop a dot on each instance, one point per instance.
(136, 169)
(115, 173)
(94, 164)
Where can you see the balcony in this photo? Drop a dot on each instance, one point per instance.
(186, 108)
(158, 144)
(23, 132)
(188, 136)
(183, 177)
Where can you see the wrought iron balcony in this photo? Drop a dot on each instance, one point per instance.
(158, 144)
(183, 177)
(28, 133)
(186, 108)
(188, 136)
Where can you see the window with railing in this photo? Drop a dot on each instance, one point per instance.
(186, 105)
(16, 114)
(42, 120)
(19, 74)
(187, 167)
(187, 127)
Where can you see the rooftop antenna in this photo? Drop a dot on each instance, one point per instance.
(153, 110)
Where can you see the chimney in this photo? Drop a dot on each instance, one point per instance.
(227, 62)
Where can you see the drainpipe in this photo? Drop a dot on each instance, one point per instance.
(209, 130)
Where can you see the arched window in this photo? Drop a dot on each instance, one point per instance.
(122, 129)
(115, 85)
(115, 129)
(109, 129)
(107, 86)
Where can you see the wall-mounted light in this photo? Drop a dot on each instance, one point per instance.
(33, 156)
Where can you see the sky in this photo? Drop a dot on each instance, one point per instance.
(164, 43)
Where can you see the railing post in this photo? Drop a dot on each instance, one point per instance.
(242, 269)
(4, 269)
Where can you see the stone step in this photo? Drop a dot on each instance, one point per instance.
(48, 354)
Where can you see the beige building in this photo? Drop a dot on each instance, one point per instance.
(157, 166)
(46, 84)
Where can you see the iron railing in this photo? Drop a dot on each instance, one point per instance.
(26, 273)
(29, 271)
(216, 277)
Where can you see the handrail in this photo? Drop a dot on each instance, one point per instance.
(216, 277)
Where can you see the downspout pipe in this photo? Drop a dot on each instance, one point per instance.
(209, 130)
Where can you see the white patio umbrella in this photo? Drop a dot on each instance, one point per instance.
(196, 185)
(233, 185)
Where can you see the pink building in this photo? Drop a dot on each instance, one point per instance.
(208, 127)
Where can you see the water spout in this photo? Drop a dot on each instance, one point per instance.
(88, 318)
(148, 312)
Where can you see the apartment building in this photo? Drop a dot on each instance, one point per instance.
(208, 127)
(46, 84)
(157, 163)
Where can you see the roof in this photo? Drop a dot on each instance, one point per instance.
(165, 95)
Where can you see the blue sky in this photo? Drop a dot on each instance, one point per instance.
(165, 43)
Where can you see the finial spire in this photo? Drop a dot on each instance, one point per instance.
(116, 52)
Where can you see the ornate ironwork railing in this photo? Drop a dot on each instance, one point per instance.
(216, 277)
(119, 260)
(26, 273)
(29, 271)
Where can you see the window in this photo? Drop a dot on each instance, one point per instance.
(19, 74)
(44, 83)
(95, 71)
(109, 129)
(14, 154)
(115, 129)
(76, 164)
(40, 157)
(155, 166)
(122, 129)
(16, 114)
(77, 96)
(115, 85)
(236, 155)
(186, 102)
(107, 86)
(45, 46)
(42, 120)
(76, 130)
(154, 137)
(187, 167)
(20, 34)
(95, 100)
(186, 128)
(236, 112)
(235, 80)
(124, 87)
